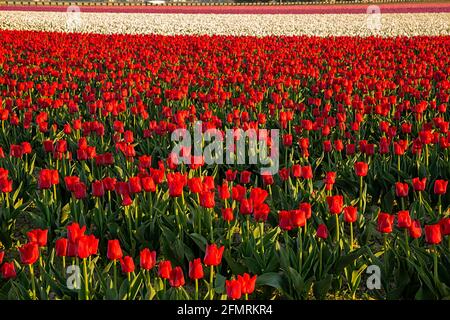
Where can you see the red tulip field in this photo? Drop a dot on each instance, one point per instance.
(97, 204)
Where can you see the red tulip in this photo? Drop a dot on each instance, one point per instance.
(330, 180)
(147, 259)
(419, 184)
(322, 231)
(385, 222)
(227, 214)
(82, 246)
(114, 251)
(335, 204)
(8, 270)
(74, 231)
(238, 192)
(61, 247)
(39, 236)
(97, 189)
(440, 187)
(415, 230)
(245, 176)
(127, 264)
(176, 278)
(109, 184)
(207, 200)
(284, 174)
(285, 220)
(164, 269)
(433, 234)
(92, 244)
(307, 172)
(246, 207)
(296, 171)
(287, 140)
(134, 185)
(234, 289)
(401, 189)
(48, 145)
(2, 254)
(350, 214)
(29, 253)
(47, 178)
(247, 283)
(403, 219)
(361, 169)
(196, 269)
(445, 226)
(79, 191)
(176, 182)
(298, 218)
(261, 212)
(258, 196)
(306, 207)
(195, 184)
(148, 184)
(230, 175)
(213, 255)
(26, 147)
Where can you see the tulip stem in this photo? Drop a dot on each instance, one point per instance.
(128, 217)
(361, 194)
(320, 258)
(177, 218)
(33, 284)
(229, 235)
(115, 273)
(64, 264)
(385, 252)
(129, 285)
(351, 236)
(246, 296)
(211, 279)
(435, 260)
(407, 242)
(300, 251)
(261, 231)
(211, 230)
(248, 227)
(196, 289)
(86, 282)
(199, 222)
(440, 205)
(337, 229)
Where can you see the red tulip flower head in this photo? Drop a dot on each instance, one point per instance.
(433, 234)
(247, 283)
(29, 253)
(213, 255)
(335, 204)
(176, 278)
(114, 251)
(147, 259)
(39, 236)
(361, 169)
(196, 269)
(385, 222)
(322, 231)
(234, 289)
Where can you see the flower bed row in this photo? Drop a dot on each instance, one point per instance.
(238, 25)
(88, 168)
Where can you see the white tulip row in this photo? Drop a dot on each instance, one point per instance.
(410, 24)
